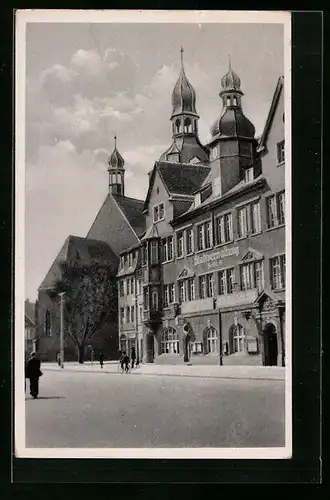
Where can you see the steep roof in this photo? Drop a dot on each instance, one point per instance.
(133, 211)
(182, 178)
(271, 114)
(30, 312)
(85, 249)
(178, 178)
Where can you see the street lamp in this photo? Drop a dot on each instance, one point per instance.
(62, 328)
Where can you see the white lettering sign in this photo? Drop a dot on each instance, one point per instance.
(212, 259)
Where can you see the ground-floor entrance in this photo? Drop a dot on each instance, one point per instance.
(270, 345)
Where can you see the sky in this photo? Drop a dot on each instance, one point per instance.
(87, 82)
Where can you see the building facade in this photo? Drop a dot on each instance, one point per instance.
(209, 273)
(200, 263)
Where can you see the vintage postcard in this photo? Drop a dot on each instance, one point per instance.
(153, 234)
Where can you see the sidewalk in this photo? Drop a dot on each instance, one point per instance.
(227, 372)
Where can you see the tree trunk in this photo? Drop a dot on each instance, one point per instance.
(81, 354)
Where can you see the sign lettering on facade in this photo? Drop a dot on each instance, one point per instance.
(214, 259)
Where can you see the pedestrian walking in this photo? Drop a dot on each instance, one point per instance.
(33, 373)
(58, 359)
(101, 359)
(133, 356)
(121, 360)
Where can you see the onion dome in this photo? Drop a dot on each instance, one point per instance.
(231, 82)
(233, 123)
(183, 95)
(116, 161)
(172, 150)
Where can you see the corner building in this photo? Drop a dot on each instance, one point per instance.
(211, 260)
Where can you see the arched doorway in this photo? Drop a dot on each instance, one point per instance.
(270, 345)
(236, 339)
(210, 340)
(169, 341)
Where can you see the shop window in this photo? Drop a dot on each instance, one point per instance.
(170, 341)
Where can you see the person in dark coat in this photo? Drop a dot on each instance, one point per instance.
(101, 359)
(133, 356)
(33, 373)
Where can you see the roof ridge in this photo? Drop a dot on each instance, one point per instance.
(128, 198)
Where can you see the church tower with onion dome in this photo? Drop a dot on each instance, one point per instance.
(116, 172)
(186, 147)
(233, 144)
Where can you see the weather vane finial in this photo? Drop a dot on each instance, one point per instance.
(181, 55)
(115, 140)
(229, 62)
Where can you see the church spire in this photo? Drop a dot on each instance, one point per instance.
(185, 146)
(116, 171)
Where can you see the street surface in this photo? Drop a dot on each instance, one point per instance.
(82, 410)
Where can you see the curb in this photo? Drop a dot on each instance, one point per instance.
(225, 377)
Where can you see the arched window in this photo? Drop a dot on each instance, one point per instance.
(210, 338)
(228, 101)
(177, 126)
(187, 125)
(48, 323)
(170, 341)
(234, 101)
(237, 339)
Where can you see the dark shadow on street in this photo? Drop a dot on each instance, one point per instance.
(46, 397)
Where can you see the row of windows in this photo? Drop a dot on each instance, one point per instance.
(170, 340)
(251, 276)
(248, 223)
(127, 259)
(127, 315)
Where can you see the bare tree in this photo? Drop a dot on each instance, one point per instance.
(90, 300)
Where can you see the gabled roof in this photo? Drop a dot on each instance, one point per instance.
(29, 322)
(152, 232)
(133, 211)
(85, 249)
(30, 308)
(271, 114)
(178, 178)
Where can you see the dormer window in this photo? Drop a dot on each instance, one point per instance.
(197, 199)
(159, 212)
(248, 174)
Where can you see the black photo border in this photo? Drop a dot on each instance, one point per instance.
(305, 465)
